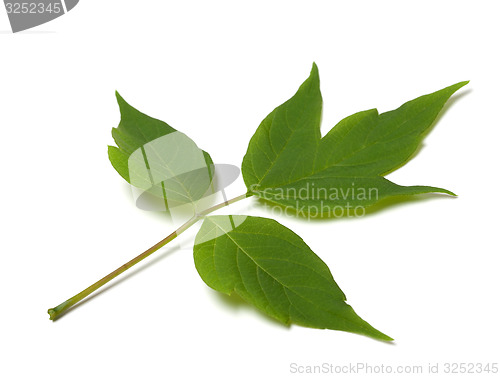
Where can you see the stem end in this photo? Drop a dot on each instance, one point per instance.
(54, 313)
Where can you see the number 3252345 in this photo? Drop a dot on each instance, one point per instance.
(33, 8)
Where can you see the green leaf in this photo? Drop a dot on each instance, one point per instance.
(272, 268)
(156, 158)
(289, 163)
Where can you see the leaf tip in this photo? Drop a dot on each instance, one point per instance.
(314, 70)
(123, 105)
(377, 335)
(312, 82)
(448, 192)
(120, 100)
(453, 88)
(461, 84)
(385, 338)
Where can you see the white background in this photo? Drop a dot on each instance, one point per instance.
(424, 271)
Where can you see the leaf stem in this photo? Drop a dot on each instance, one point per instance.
(62, 308)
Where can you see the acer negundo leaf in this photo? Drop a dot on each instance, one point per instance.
(154, 157)
(259, 259)
(272, 268)
(289, 163)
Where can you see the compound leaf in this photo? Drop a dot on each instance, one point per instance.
(289, 163)
(272, 268)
